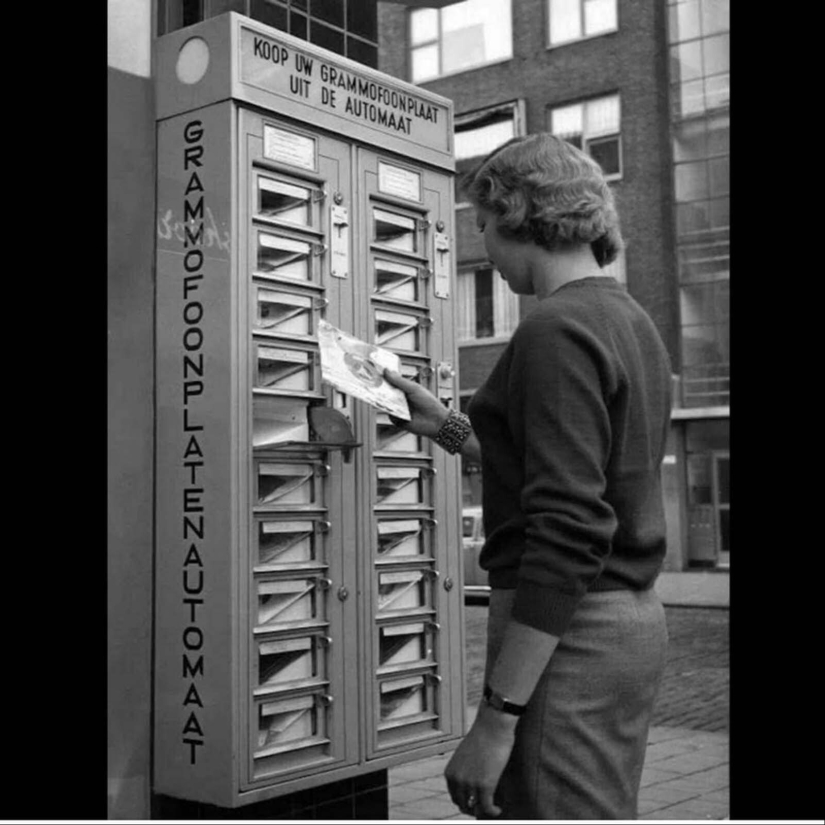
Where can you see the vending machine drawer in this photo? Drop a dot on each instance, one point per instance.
(395, 231)
(278, 420)
(279, 544)
(284, 603)
(285, 201)
(289, 663)
(290, 723)
(290, 258)
(395, 281)
(402, 486)
(288, 484)
(280, 312)
(393, 438)
(400, 539)
(285, 369)
(402, 646)
(400, 330)
(404, 702)
(404, 591)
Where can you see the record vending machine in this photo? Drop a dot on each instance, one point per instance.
(308, 598)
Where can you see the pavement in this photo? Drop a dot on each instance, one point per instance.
(685, 776)
(694, 588)
(686, 772)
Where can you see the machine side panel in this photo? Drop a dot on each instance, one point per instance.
(196, 513)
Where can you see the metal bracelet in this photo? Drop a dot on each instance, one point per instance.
(454, 432)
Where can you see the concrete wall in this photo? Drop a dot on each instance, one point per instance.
(129, 36)
(131, 225)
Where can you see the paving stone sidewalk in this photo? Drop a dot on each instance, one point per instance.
(685, 776)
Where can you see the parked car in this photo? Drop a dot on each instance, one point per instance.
(472, 530)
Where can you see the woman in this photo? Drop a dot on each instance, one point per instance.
(570, 430)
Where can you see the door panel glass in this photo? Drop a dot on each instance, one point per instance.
(700, 490)
(723, 479)
(724, 528)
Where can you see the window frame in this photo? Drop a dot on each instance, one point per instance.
(468, 269)
(611, 177)
(438, 42)
(477, 115)
(547, 35)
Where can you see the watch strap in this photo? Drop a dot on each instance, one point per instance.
(498, 702)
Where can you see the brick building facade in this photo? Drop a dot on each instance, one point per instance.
(644, 59)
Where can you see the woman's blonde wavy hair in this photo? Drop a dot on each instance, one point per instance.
(545, 190)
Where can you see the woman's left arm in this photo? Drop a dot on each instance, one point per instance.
(477, 764)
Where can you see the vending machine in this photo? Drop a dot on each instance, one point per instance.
(308, 598)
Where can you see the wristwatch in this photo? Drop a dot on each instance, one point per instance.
(498, 702)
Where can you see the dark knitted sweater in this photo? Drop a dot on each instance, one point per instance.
(572, 423)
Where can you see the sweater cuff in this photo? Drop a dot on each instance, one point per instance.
(544, 608)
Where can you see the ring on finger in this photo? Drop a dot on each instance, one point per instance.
(471, 801)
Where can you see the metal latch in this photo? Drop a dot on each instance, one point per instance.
(339, 241)
(441, 265)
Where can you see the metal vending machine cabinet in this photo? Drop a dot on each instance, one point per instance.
(308, 586)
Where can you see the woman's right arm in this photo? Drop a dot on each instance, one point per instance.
(428, 414)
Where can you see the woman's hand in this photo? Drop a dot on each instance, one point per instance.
(475, 769)
(426, 411)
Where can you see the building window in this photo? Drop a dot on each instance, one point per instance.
(346, 27)
(708, 493)
(487, 308)
(479, 133)
(699, 34)
(569, 20)
(699, 42)
(459, 37)
(594, 126)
